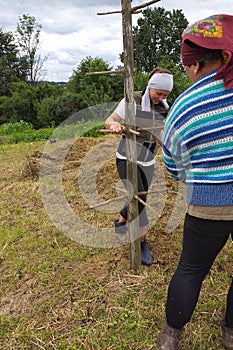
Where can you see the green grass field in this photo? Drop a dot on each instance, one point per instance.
(58, 294)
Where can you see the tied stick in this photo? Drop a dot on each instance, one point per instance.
(130, 130)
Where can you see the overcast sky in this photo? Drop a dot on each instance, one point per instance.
(72, 30)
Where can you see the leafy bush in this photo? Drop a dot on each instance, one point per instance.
(18, 127)
(11, 133)
(93, 132)
(22, 132)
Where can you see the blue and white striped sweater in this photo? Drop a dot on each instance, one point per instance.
(198, 142)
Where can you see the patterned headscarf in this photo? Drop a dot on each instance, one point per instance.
(212, 33)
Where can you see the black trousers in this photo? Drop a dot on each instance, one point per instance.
(202, 241)
(144, 177)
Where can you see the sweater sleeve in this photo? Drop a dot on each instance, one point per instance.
(172, 147)
(173, 165)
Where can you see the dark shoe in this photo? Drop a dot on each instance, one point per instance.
(146, 256)
(168, 338)
(120, 227)
(227, 335)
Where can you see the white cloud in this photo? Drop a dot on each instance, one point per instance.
(72, 30)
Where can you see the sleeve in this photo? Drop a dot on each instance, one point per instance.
(120, 109)
(172, 148)
(173, 165)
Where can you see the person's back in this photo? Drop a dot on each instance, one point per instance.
(198, 150)
(199, 134)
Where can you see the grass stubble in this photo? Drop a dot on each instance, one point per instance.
(58, 294)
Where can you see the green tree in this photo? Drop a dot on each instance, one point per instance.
(28, 36)
(94, 89)
(117, 86)
(12, 69)
(25, 100)
(157, 35)
(18, 106)
(53, 110)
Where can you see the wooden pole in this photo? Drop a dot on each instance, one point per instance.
(131, 149)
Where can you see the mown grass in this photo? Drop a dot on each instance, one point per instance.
(58, 294)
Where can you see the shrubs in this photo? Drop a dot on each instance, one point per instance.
(22, 132)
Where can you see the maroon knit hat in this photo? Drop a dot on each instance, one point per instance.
(212, 33)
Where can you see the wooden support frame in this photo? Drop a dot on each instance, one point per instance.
(133, 9)
(131, 149)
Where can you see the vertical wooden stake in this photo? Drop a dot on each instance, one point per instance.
(131, 149)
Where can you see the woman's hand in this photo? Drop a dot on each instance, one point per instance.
(116, 128)
(113, 124)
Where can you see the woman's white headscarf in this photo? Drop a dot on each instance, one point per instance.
(159, 81)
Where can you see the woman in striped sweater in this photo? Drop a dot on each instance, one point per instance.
(198, 150)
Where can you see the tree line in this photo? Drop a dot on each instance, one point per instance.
(24, 95)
